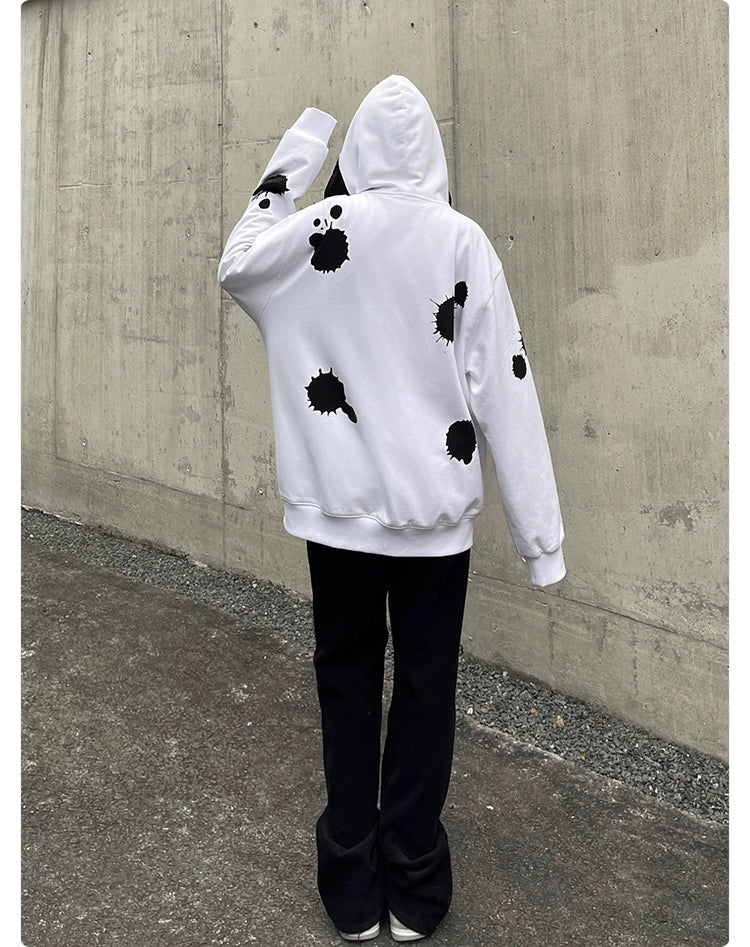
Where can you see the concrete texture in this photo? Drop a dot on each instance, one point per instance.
(589, 142)
(599, 139)
(172, 776)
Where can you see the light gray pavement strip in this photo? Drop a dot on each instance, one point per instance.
(172, 777)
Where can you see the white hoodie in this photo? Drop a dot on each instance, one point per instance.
(394, 351)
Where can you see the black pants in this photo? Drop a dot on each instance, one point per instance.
(396, 854)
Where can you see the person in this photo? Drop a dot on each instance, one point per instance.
(396, 362)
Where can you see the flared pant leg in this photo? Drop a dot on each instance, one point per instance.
(426, 606)
(399, 854)
(349, 611)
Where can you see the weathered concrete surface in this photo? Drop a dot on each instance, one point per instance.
(172, 775)
(122, 221)
(599, 137)
(589, 142)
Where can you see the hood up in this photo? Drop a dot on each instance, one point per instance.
(393, 143)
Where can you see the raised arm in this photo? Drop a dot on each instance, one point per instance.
(248, 265)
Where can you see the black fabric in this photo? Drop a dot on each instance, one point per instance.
(389, 848)
(336, 184)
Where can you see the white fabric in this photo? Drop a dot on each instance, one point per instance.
(394, 350)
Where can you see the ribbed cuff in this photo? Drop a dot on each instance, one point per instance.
(547, 568)
(315, 124)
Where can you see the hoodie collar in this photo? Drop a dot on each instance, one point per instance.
(393, 143)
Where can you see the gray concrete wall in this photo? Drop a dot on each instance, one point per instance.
(590, 142)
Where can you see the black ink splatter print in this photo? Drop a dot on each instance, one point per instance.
(461, 441)
(445, 316)
(272, 184)
(519, 366)
(445, 320)
(326, 393)
(330, 246)
(519, 362)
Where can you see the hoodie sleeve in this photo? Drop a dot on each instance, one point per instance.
(250, 264)
(504, 403)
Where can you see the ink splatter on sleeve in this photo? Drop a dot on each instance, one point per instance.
(519, 362)
(272, 184)
(275, 183)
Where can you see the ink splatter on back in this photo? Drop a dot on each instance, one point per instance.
(445, 320)
(445, 317)
(327, 394)
(461, 441)
(330, 244)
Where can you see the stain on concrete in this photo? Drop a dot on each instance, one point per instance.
(679, 597)
(281, 25)
(190, 414)
(673, 515)
(187, 357)
(676, 514)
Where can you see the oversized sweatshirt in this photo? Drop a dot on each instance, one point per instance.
(395, 354)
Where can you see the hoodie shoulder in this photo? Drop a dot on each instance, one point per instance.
(476, 240)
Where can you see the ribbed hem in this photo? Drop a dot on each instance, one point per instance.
(547, 568)
(365, 534)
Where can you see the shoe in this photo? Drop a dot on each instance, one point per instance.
(400, 933)
(370, 934)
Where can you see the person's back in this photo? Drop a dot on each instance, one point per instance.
(395, 359)
(393, 347)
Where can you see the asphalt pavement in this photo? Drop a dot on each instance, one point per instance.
(172, 775)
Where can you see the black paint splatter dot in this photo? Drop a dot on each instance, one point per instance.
(519, 366)
(326, 393)
(265, 203)
(445, 320)
(461, 441)
(331, 248)
(336, 211)
(519, 362)
(445, 316)
(274, 183)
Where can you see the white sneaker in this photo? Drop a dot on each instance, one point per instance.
(370, 934)
(400, 933)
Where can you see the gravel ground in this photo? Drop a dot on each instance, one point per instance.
(494, 697)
